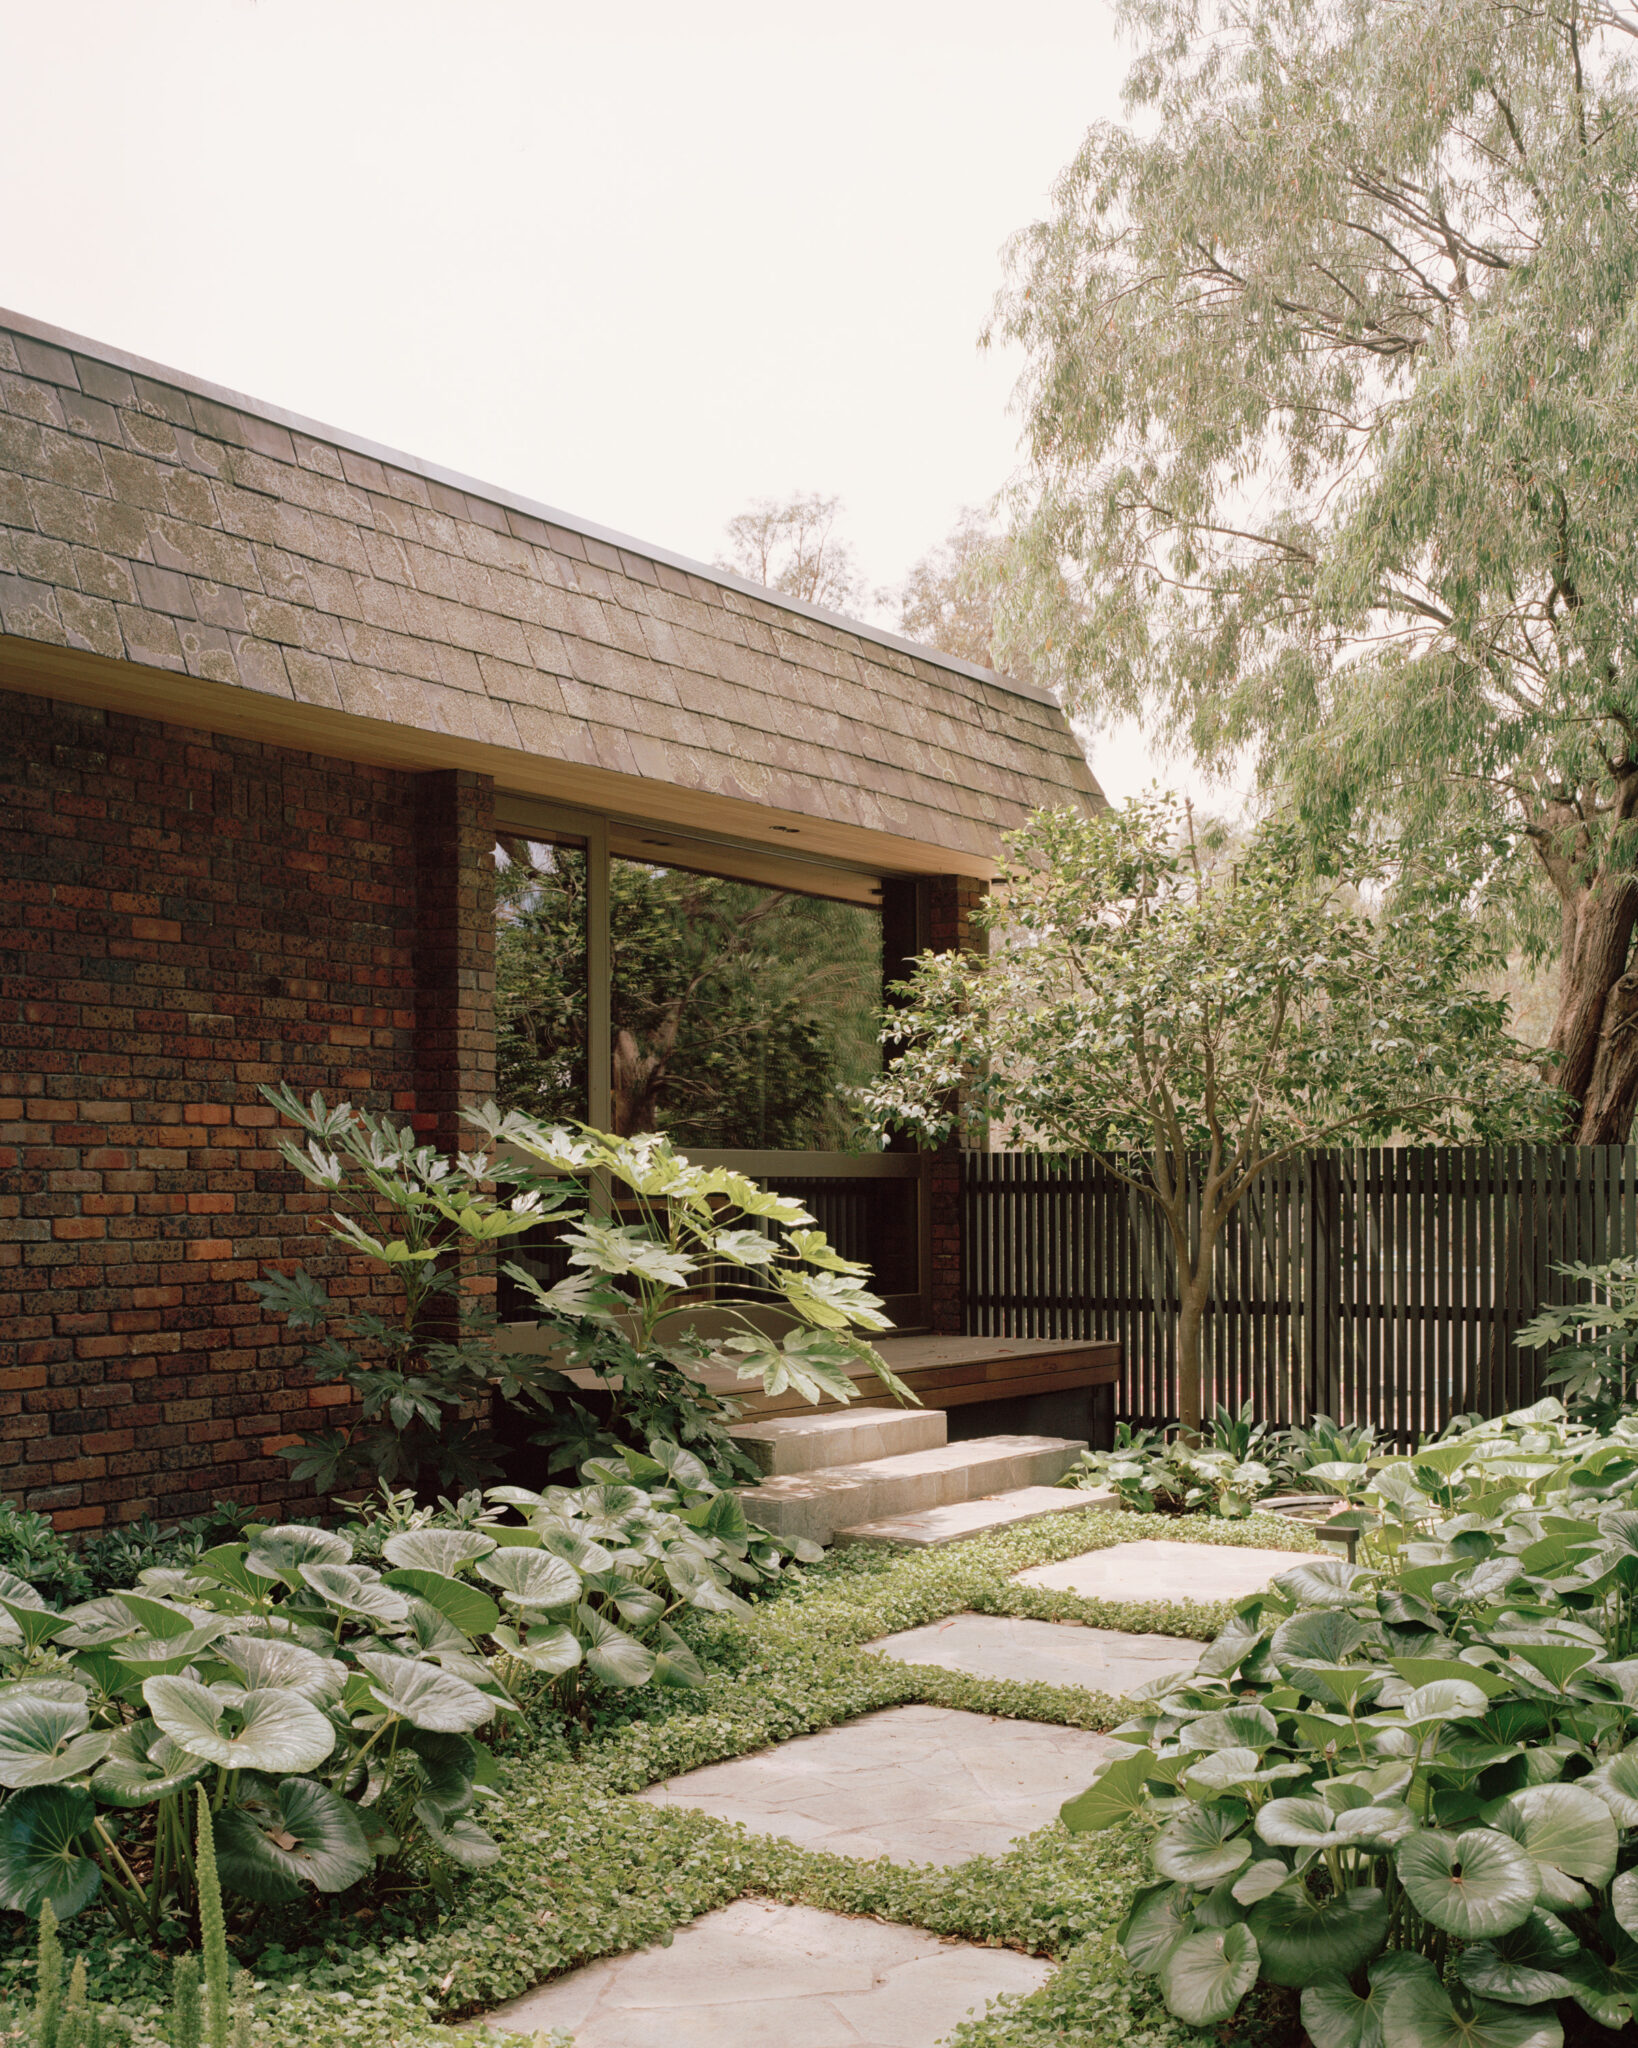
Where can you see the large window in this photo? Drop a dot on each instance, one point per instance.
(736, 1013)
(741, 1014)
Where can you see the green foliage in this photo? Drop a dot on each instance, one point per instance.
(1328, 403)
(586, 1871)
(1594, 1359)
(334, 1706)
(1157, 1475)
(1193, 1024)
(119, 1556)
(679, 1235)
(639, 1275)
(741, 1014)
(1417, 1767)
(32, 1550)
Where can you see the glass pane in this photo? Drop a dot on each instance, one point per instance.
(540, 977)
(741, 1013)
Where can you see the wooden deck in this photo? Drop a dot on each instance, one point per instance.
(951, 1372)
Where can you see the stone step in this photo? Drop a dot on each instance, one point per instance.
(921, 1531)
(816, 1504)
(849, 1436)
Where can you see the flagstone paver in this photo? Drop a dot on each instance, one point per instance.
(1055, 1653)
(915, 1784)
(1159, 1570)
(760, 1975)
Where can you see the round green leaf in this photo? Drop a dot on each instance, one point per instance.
(1615, 1781)
(674, 1662)
(1114, 1795)
(1604, 1989)
(142, 1765)
(97, 1622)
(161, 1656)
(1232, 1728)
(1159, 1916)
(1624, 1902)
(1329, 1583)
(44, 1742)
(1446, 1699)
(1335, 2016)
(1205, 1975)
(1204, 1845)
(468, 1607)
(282, 1836)
(357, 1593)
(1524, 1967)
(612, 1655)
(274, 1729)
(280, 1553)
(262, 1662)
(1563, 1826)
(462, 1841)
(446, 1551)
(1476, 1885)
(425, 1696)
(1297, 1824)
(41, 1829)
(551, 1650)
(1301, 1937)
(1418, 2014)
(1317, 1636)
(451, 1764)
(531, 1578)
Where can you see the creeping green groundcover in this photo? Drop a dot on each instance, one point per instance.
(585, 1871)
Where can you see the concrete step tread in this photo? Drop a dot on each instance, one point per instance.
(972, 1455)
(785, 1445)
(932, 1526)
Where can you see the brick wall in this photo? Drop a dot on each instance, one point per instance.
(183, 917)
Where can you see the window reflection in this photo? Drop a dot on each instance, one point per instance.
(540, 977)
(741, 1013)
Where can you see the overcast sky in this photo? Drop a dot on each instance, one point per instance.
(644, 262)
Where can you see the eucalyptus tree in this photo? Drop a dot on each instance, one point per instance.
(1195, 1023)
(1333, 453)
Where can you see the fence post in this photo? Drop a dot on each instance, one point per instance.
(1322, 1287)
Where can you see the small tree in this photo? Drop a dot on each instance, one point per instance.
(1194, 1024)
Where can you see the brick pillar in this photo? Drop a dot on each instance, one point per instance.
(454, 951)
(951, 901)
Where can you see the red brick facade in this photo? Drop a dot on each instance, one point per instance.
(184, 917)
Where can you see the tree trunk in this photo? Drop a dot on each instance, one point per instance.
(1191, 1320)
(1594, 1030)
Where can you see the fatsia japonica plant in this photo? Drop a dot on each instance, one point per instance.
(656, 1246)
(1407, 1787)
(650, 1241)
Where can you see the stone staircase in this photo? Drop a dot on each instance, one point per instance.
(889, 1475)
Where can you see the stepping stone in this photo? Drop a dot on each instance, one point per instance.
(1055, 1653)
(914, 1784)
(974, 1517)
(1169, 1571)
(760, 1975)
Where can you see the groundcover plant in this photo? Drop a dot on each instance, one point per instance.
(586, 1871)
(1405, 1785)
(338, 1713)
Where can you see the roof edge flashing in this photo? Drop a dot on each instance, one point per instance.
(318, 430)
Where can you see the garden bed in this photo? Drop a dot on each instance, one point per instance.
(587, 1871)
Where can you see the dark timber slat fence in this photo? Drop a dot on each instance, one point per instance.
(1377, 1286)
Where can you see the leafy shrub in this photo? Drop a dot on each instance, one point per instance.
(1594, 1362)
(1404, 1786)
(638, 1275)
(1155, 1475)
(31, 1549)
(119, 1556)
(334, 1707)
(1334, 1455)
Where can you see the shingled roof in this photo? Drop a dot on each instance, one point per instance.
(150, 519)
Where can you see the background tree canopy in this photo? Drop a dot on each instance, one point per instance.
(1333, 453)
(741, 1013)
